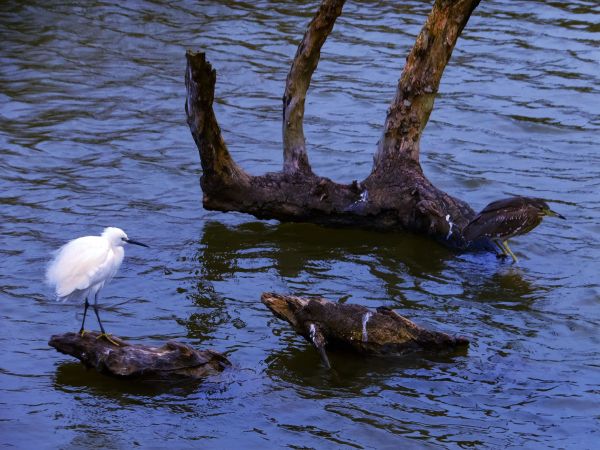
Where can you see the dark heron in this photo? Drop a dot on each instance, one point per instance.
(507, 218)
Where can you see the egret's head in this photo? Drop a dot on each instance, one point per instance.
(115, 236)
(118, 237)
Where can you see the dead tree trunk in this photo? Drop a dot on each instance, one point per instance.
(173, 360)
(395, 196)
(381, 332)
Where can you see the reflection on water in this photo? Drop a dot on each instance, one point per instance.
(308, 251)
(301, 365)
(507, 289)
(74, 378)
(93, 133)
(210, 311)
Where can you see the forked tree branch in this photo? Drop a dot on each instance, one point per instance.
(395, 196)
(295, 158)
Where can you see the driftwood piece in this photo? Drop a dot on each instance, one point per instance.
(381, 332)
(395, 196)
(173, 360)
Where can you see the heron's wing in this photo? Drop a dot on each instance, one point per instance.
(477, 227)
(490, 218)
(505, 203)
(80, 264)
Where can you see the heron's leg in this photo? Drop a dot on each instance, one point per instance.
(103, 334)
(503, 254)
(509, 251)
(86, 306)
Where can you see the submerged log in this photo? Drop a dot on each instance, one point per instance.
(174, 360)
(395, 196)
(380, 332)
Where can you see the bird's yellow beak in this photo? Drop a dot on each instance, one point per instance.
(549, 212)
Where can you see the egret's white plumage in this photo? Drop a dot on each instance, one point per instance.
(84, 265)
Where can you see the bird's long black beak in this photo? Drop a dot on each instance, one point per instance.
(555, 214)
(131, 241)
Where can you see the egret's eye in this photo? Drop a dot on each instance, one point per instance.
(123, 239)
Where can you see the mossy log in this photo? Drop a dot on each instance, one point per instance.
(174, 360)
(380, 332)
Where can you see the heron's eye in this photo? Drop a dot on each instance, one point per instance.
(123, 239)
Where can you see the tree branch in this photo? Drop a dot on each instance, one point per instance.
(217, 164)
(419, 83)
(295, 158)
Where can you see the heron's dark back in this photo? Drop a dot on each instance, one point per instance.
(506, 218)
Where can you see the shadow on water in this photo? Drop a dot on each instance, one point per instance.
(290, 250)
(301, 366)
(305, 251)
(407, 271)
(401, 262)
(74, 377)
(210, 310)
(294, 246)
(498, 283)
(508, 289)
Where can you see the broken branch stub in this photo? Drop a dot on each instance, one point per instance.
(380, 332)
(395, 196)
(217, 164)
(174, 360)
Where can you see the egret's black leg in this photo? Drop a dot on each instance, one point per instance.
(103, 334)
(97, 315)
(86, 306)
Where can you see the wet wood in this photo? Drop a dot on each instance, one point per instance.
(419, 83)
(395, 196)
(295, 158)
(174, 360)
(382, 331)
(200, 80)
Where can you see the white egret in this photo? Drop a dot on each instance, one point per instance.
(84, 265)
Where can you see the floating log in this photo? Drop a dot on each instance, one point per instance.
(380, 332)
(174, 360)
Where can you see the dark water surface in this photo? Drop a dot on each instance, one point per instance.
(93, 133)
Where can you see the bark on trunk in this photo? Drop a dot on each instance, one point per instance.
(419, 83)
(395, 196)
(381, 332)
(173, 360)
(305, 62)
